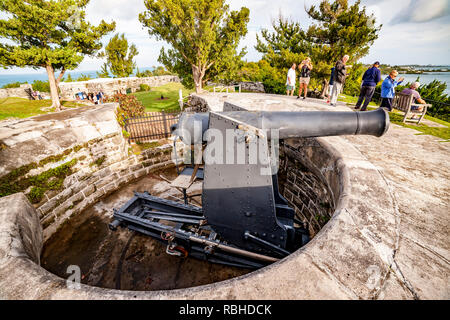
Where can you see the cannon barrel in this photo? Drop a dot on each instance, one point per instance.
(191, 127)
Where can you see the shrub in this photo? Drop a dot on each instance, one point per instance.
(84, 77)
(69, 78)
(13, 85)
(129, 106)
(146, 73)
(42, 86)
(144, 87)
(274, 86)
(160, 71)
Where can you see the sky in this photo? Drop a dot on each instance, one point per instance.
(413, 31)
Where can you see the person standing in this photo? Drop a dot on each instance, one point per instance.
(340, 73)
(330, 85)
(370, 80)
(305, 75)
(388, 89)
(290, 81)
(102, 95)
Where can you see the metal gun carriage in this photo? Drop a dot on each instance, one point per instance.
(244, 221)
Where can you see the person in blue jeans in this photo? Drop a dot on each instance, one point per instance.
(388, 89)
(370, 80)
(330, 85)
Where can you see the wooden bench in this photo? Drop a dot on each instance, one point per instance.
(404, 102)
(30, 94)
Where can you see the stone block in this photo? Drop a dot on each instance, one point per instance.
(136, 167)
(109, 188)
(90, 189)
(102, 182)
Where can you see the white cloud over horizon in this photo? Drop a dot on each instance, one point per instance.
(413, 32)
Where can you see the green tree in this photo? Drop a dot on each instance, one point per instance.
(160, 71)
(84, 77)
(340, 29)
(143, 74)
(119, 57)
(48, 34)
(13, 85)
(104, 73)
(42, 86)
(204, 36)
(285, 46)
(337, 29)
(69, 78)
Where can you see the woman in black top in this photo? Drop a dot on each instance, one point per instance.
(305, 75)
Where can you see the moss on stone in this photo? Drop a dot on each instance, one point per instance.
(98, 162)
(51, 179)
(12, 182)
(36, 194)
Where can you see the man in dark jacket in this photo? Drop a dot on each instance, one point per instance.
(370, 80)
(340, 73)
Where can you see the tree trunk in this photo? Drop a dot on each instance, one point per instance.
(53, 87)
(324, 88)
(61, 75)
(197, 75)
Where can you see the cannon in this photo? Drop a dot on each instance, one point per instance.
(244, 221)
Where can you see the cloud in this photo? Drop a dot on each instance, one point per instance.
(414, 31)
(114, 10)
(420, 11)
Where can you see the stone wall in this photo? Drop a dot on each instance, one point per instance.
(91, 182)
(303, 185)
(110, 86)
(250, 86)
(65, 162)
(196, 104)
(15, 92)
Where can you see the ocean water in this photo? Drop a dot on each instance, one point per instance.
(426, 78)
(30, 77)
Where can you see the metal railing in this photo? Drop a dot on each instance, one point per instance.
(219, 89)
(150, 126)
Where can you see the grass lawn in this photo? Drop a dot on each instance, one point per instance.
(152, 99)
(397, 117)
(23, 108)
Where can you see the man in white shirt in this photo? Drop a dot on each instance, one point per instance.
(290, 81)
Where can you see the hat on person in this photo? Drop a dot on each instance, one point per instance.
(377, 63)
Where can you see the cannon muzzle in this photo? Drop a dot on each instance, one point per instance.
(191, 127)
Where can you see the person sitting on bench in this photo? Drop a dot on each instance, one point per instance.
(417, 99)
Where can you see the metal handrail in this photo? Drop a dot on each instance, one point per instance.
(226, 88)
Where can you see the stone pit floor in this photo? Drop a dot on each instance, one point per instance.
(416, 168)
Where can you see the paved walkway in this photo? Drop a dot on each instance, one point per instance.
(417, 169)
